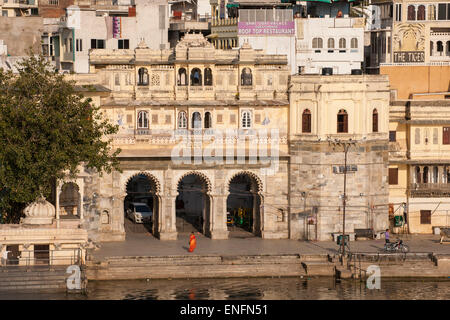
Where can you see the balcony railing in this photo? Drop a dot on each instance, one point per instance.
(430, 189)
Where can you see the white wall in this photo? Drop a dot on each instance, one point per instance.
(273, 45)
(326, 28)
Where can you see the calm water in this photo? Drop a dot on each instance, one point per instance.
(253, 289)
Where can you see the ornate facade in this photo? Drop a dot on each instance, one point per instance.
(204, 132)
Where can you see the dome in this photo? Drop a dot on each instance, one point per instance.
(39, 212)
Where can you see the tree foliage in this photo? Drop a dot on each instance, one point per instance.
(47, 129)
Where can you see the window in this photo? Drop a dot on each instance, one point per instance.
(443, 11)
(182, 120)
(393, 175)
(143, 77)
(417, 175)
(246, 77)
(411, 12)
(425, 216)
(375, 121)
(446, 135)
(331, 43)
(306, 121)
(439, 48)
(208, 77)
(392, 136)
(79, 45)
(196, 120)
(354, 43)
(431, 12)
(97, 44)
(182, 77)
(208, 120)
(142, 119)
(417, 136)
(398, 12)
(425, 175)
(196, 77)
(124, 44)
(246, 119)
(421, 12)
(4, 13)
(342, 121)
(342, 43)
(435, 175)
(317, 43)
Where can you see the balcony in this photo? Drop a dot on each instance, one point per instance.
(19, 4)
(429, 190)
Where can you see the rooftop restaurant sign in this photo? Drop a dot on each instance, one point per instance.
(266, 28)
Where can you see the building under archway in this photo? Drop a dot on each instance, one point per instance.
(244, 206)
(142, 190)
(193, 205)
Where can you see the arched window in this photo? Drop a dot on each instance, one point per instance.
(208, 120)
(246, 77)
(431, 12)
(196, 120)
(342, 121)
(435, 175)
(306, 121)
(317, 43)
(425, 174)
(246, 120)
(182, 77)
(342, 43)
(421, 12)
(182, 120)
(143, 119)
(354, 43)
(439, 47)
(208, 77)
(331, 43)
(375, 121)
(196, 77)
(411, 12)
(143, 77)
(418, 175)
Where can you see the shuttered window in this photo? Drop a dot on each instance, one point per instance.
(393, 175)
(306, 121)
(342, 121)
(425, 216)
(446, 135)
(375, 121)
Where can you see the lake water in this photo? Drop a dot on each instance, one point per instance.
(252, 289)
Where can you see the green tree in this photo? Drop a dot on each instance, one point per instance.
(47, 129)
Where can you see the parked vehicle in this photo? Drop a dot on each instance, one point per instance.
(397, 246)
(139, 212)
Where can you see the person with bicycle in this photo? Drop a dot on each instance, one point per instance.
(386, 236)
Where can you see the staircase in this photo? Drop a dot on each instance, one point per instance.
(35, 278)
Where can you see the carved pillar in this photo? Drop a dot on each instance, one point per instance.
(218, 223)
(167, 218)
(58, 192)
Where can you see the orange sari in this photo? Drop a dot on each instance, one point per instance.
(192, 243)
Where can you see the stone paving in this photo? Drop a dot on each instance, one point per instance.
(144, 244)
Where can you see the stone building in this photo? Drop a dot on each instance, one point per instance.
(164, 101)
(324, 110)
(205, 132)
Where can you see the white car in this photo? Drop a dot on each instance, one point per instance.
(139, 212)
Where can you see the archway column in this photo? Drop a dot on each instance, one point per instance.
(218, 224)
(167, 218)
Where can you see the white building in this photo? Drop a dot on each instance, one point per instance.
(329, 42)
(85, 29)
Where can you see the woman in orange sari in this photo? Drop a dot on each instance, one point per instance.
(192, 242)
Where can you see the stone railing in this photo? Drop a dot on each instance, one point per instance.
(429, 189)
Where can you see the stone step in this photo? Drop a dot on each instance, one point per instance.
(314, 257)
(33, 277)
(32, 282)
(35, 287)
(319, 268)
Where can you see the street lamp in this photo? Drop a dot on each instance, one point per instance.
(346, 144)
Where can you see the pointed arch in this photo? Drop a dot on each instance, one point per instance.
(150, 176)
(258, 184)
(199, 174)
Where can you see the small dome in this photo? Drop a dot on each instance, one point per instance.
(39, 212)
